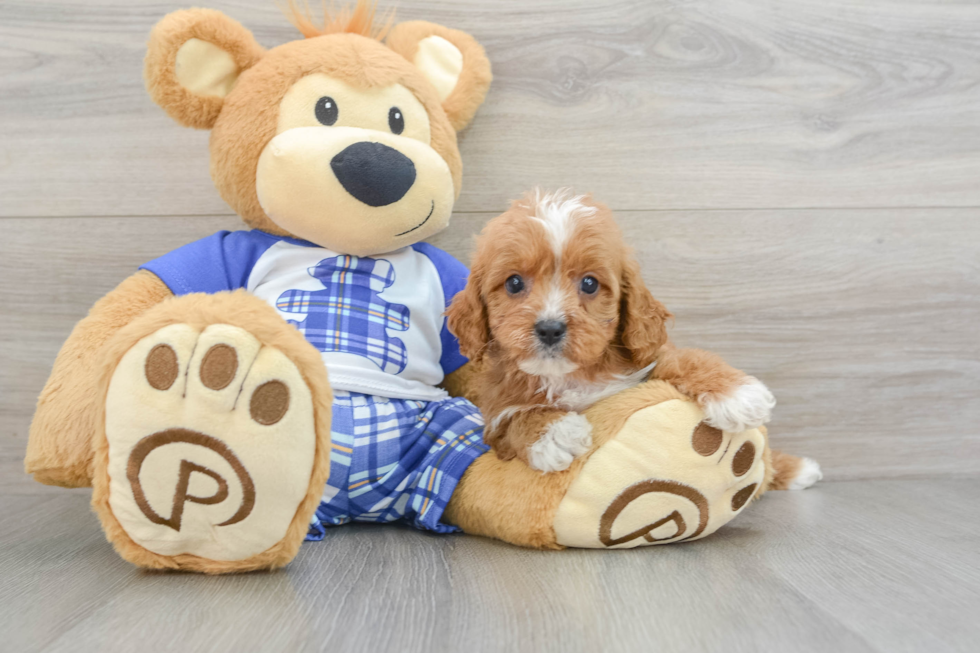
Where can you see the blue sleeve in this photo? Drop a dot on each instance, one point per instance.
(219, 262)
(453, 275)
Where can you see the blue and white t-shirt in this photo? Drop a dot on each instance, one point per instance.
(379, 322)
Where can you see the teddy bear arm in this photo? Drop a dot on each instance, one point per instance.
(59, 449)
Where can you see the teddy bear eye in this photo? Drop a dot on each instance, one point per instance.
(396, 121)
(326, 111)
(514, 284)
(589, 285)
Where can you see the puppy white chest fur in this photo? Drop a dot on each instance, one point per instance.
(576, 395)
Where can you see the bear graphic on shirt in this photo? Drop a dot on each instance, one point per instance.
(348, 315)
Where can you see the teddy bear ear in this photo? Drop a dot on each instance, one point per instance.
(193, 60)
(452, 60)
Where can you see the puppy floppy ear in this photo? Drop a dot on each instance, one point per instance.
(466, 318)
(643, 320)
(193, 60)
(452, 60)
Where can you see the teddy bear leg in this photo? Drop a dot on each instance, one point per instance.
(656, 474)
(215, 446)
(59, 448)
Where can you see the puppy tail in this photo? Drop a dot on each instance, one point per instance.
(793, 473)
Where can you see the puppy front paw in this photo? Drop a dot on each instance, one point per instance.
(566, 439)
(748, 407)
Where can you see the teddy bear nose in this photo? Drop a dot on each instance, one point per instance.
(373, 173)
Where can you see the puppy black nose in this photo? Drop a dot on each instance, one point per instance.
(373, 173)
(550, 332)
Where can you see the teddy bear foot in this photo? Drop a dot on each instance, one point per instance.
(665, 476)
(211, 447)
(656, 473)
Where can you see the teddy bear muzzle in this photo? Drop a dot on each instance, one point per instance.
(353, 190)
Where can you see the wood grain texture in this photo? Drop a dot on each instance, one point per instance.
(862, 322)
(851, 566)
(651, 103)
(799, 179)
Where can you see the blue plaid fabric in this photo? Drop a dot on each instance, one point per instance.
(348, 315)
(397, 460)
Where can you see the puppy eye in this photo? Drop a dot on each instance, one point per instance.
(589, 285)
(326, 111)
(396, 121)
(514, 284)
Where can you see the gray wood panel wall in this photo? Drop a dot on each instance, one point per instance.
(801, 180)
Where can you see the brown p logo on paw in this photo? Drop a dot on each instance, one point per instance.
(634, 492)
(150, 443)
(200, 427)
(666, 476)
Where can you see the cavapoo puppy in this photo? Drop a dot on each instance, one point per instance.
(557, 317)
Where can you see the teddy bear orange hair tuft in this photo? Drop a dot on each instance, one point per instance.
(357, 20)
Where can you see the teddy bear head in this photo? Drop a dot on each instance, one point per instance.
(339, 138)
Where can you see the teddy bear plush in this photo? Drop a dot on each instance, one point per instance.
(195, 399)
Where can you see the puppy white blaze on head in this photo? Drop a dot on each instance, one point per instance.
(558, 212)
(553, 307)
(527, 278)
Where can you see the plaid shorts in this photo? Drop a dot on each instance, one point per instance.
(396, 460)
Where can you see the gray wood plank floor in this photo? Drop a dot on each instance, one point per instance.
(799, 178)
(650, 103)
(888, 565)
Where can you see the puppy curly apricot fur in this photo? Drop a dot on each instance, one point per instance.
(557, 311)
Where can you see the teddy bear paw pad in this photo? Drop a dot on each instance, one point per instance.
(211, 442)
(666, 476)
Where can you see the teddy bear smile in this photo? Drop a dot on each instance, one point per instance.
(431, 211)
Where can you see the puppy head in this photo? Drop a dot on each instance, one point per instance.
(555, 289)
